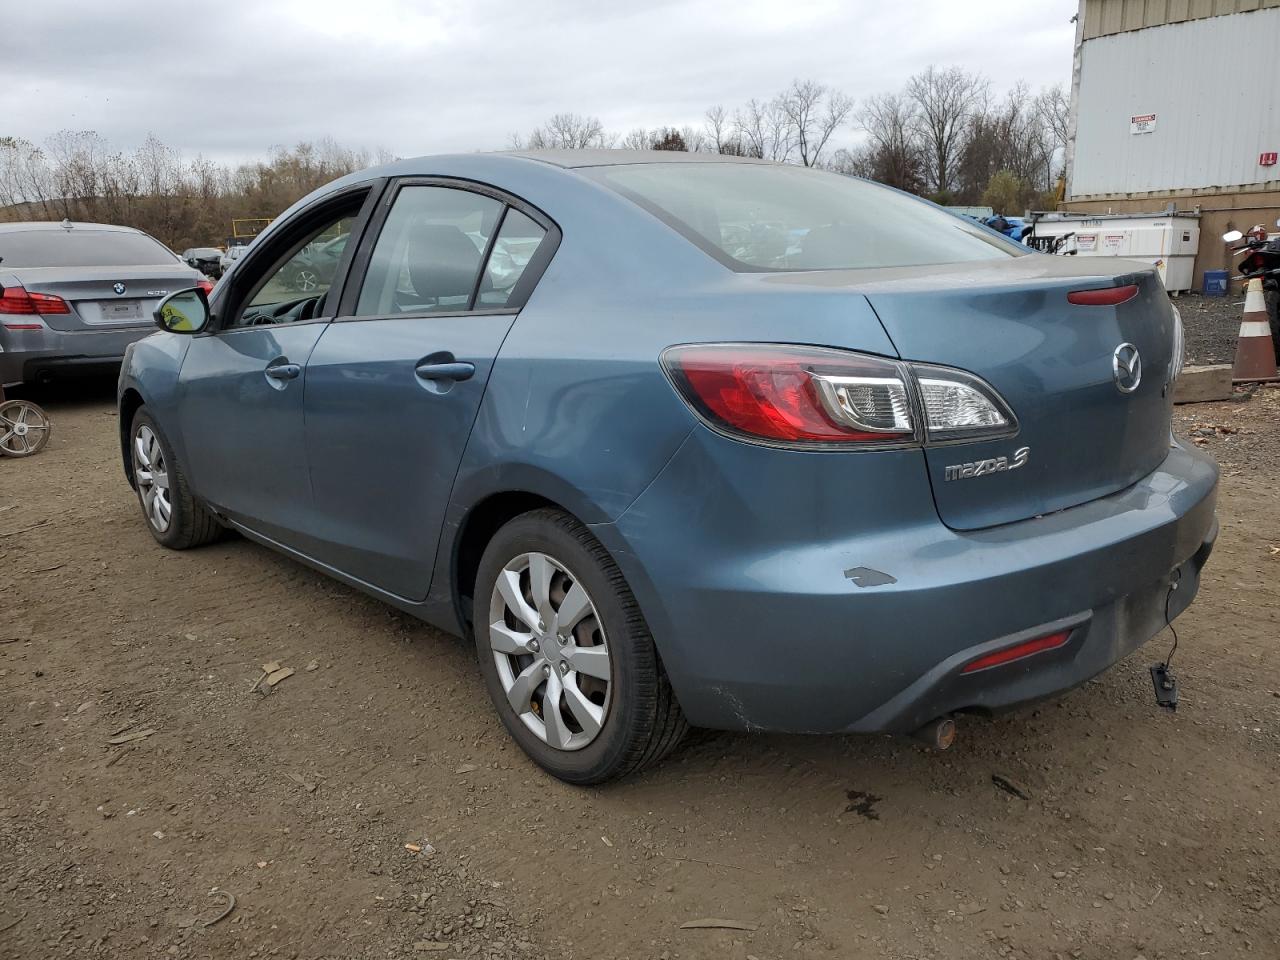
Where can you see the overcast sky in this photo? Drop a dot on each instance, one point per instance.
(231, 78)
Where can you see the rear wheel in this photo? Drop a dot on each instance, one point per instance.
(174, 517)
(566, 655)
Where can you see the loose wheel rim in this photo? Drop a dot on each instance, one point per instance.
(306, 281)
(24, 428)
(550, 650)
(151, 473)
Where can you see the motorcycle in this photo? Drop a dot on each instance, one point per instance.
(1261, 259)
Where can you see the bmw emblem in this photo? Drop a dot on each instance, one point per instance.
(119, 288)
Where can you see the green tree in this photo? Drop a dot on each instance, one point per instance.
(1006, 193)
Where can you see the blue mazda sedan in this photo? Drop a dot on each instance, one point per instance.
(684, 439)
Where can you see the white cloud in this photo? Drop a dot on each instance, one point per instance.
(231, 79)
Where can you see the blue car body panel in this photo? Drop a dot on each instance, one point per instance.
(785, 589)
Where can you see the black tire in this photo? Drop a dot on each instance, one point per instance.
(190, 524)
(643, 722)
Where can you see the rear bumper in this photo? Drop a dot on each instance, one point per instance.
(1098, 639)
(783, 639)
(28, 355)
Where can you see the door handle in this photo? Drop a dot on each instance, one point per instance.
(454, 370)
(284, 371)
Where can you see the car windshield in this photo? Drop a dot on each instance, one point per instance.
(754, 217)
(204, 253)
(81, 248)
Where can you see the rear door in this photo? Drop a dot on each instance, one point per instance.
(241, 387)
(395, 383)
(1088, 426)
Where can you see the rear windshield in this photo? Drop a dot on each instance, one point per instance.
(81, 248)
(754, 217)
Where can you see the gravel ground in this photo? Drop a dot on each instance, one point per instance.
(1095, 827)
(1212, 326)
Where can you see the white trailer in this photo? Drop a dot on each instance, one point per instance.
(1168, 241)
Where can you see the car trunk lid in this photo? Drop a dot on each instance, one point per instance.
(102, 296)
(1081, 433)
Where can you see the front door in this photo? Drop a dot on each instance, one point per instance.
(242, 385)
(394, 386)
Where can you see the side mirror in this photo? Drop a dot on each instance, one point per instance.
(186, 311)
(1231, 236)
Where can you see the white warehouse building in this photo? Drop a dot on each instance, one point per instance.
(1175, 104)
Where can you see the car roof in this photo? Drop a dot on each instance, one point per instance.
(53, 225)
(572, 159)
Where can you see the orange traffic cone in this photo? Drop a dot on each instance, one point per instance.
(1255, 353)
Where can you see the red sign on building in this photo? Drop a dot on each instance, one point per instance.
(1268, 159)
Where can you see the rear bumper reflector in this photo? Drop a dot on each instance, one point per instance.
(1018, 652)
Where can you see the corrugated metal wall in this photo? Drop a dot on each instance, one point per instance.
(1210, 84)
(1105, 17)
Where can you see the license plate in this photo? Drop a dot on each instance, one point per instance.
(121, 310)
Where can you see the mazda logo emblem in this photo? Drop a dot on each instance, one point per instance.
(1126, 367)
(118, 287)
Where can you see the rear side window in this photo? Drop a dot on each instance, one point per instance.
(517, 242)
(78, 247)
(428, 256)
(763, 217)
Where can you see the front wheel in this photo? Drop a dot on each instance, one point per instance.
(566, 655)
(174, 517)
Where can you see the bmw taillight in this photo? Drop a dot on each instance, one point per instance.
(206, 285)
(17, 301)
(818, 397)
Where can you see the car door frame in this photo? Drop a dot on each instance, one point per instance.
(533, 271)
(224, 307)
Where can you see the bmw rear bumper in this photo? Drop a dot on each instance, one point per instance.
(783, 637)
(27, 355)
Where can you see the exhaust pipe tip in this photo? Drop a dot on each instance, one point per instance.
(938, 734)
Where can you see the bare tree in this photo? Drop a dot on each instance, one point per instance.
(568, 131)
(947, 101)
(637, 139)
(718, 126)
(892, 153)
(762, 127)
(1054, 110)
(813, 112)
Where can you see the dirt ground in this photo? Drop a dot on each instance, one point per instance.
(1212, 326)
(1134, 832)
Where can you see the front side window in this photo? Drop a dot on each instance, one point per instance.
(754, 217)
(296, 290)
(427, 258)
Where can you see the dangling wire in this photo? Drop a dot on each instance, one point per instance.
(1167, 622)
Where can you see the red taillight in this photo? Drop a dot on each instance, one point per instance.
(206, 286)
(17, 301)
(1018, 651)
(792, 394)
(1106, 297)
